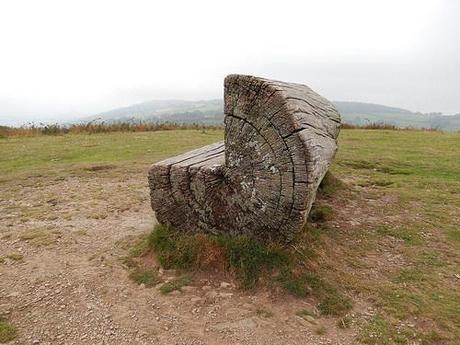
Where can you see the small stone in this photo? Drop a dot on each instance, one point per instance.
(196, 299)
(225, 285)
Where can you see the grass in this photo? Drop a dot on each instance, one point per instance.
(409, 235)
(321, 213)
(345, 322)
(175, 284)
(262, 312)
(37, 154)
(38, 237)
(330, 185)
(148, 277)
(15, 256)
(306, 315)
(94, 127)
(331, 300)
(7, 331)
(251, 262)
(378, 331)
(244, 256)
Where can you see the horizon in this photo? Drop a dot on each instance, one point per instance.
(42, 120)
(56, 69)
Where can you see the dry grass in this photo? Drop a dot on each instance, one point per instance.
(94, 128)
(385, 126)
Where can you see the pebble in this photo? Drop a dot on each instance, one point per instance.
(225, 285)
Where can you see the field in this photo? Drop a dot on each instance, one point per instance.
(73, 206)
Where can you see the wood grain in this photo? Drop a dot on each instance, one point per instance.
(280, 139)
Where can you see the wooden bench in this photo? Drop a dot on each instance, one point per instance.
(279, 141)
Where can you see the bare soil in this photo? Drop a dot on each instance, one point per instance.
(71, 286)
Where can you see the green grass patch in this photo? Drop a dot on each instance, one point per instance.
(320, 213)
(7, 331)
(332, 302)
(330, 185)
(250, 261)
(140, 248)
(454, 235)
(175, 284)
(26, 154)
(379, 331)
(147, 277)
(410, 236)
(243, 255)
(411, 275)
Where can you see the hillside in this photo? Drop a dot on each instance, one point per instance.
(207, 112)
(75, 214)
(211, 112)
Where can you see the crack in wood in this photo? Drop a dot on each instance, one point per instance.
(263, 178)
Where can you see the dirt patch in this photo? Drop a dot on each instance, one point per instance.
(75, 289)
(72, 285)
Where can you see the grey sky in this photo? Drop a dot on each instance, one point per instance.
(64, 59)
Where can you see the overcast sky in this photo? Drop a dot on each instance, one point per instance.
(64, 59)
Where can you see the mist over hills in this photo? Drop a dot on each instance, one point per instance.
(207, 112)
(211, 112)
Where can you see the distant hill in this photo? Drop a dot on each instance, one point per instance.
(363, 113)
(211, 112)
(208, 112)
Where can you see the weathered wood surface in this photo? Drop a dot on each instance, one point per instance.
(280, 139)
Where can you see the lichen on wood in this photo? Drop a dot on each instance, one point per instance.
(280, 139)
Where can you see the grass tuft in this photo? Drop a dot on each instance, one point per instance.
(37, 237)
(332, 302)
(15, 256)
(144, 276)
(263, 313)
(345, 322)
(139, 249)
(330, 185)
(175, 284)
(243, 255)
(379, 331)
(7, 331)
(410, 236)
(306, 315)
(249, 260)
(320, 213)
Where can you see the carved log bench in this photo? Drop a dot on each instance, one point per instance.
(279, 141)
